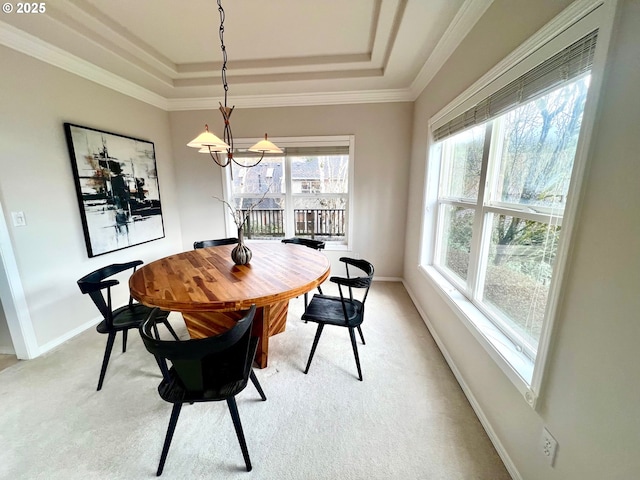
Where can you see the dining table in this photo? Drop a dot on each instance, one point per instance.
(212, 292)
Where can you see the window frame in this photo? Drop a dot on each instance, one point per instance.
(485, 208)
(573, 23)
(289, 224)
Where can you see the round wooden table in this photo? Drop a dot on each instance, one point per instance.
(211, 291)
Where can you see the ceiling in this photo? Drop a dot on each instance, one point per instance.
(280, 52)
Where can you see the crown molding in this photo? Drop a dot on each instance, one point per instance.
(569, 16)
(23, 42)
(464, 20)
(460, 26)
(294, 99)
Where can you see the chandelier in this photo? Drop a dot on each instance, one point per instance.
(209, 143)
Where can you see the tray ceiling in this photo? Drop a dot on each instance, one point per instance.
(280, 52)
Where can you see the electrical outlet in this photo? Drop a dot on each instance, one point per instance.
(549, 446)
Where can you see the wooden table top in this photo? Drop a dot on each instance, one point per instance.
(206, 279)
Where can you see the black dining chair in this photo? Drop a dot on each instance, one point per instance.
(342, 311)
(121, 319)
(205, 370)
(310, 243)
(307, 242)
(215, 242)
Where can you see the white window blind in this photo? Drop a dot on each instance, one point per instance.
(320, 150)
(566, 65)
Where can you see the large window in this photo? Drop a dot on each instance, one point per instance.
(305, 192)
(503, 189)
(501, 179)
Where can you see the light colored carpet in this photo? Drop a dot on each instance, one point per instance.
(408, 419)
(7, 360)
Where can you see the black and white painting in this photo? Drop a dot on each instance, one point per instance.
(117, 185)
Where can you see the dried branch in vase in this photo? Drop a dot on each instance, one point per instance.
(240, 216)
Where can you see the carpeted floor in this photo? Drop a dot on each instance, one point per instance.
(7, 360)
(408, 419)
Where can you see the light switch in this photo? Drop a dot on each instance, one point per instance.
(19, 219)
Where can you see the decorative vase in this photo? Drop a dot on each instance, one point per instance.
(241, 255)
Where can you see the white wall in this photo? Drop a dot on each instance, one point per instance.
(382, 146)
(589, 400)
(37, 179)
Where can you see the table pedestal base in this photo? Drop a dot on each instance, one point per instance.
(268, 321)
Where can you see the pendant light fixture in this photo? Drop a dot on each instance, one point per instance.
(209, 143)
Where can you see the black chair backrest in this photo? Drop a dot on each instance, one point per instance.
(206, 362)
(307, 242)
(94, 282)
(355, 282)
(215, 242)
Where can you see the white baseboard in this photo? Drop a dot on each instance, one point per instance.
(68, 335)
(387, 279)
(504, 456)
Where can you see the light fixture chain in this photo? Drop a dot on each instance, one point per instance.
(209, 142)
(224, 52)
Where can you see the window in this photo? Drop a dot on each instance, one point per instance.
(497, 239)
(306, 190)
(501, 181)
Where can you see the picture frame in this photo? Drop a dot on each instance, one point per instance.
(117, 188)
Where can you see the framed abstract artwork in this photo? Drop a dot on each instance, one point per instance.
(117, 187)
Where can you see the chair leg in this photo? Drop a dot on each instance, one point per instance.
(163, 368)
(173, 421)
(315, 344)
(256, 384)
(170, 328)
(355, 351)
(124, 340)
(233, 409)
(105, 361)
(306, 302)
(361, 336)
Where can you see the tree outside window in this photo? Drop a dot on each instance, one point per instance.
(497, 240)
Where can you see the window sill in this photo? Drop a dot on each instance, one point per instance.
(328, 246)
(514, 364)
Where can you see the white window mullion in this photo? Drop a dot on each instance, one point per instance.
(445, 167)
(455, 202)
(483, 254)
(478, 227)
(494, 170)
(229, 225)
(494, 153)
(526, 214)
(289, 215)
